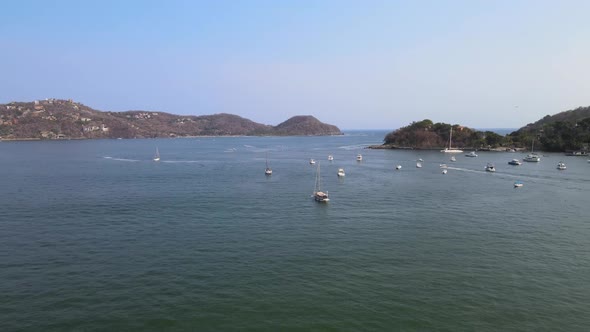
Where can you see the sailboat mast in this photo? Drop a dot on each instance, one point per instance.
(450, 137)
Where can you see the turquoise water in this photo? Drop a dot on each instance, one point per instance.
(94, 236)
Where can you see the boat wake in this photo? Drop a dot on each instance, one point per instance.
(122, 159)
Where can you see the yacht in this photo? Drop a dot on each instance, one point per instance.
(515, 162)
(561, 166)
(450, 149)
(471, 154)
(341, 172)
(532, 157)
(490, 168)
(318, 194)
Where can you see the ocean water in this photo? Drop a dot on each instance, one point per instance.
(95, 236)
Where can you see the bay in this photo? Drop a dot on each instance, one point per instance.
(96, 236)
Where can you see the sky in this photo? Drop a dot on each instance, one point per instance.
(355, 64)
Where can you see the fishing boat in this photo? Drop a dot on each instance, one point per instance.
(561, 166)
(318, 194)
(341, 172)
(490, 167)
(515, 162)
(450, 149)
(268, 170)
(157, 155)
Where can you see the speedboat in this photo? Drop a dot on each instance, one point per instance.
(561, 166)
(312, 162)
(490, 168)
(341, 172)
(515, 162)
(471, 154)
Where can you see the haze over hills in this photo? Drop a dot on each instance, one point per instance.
(58, 119)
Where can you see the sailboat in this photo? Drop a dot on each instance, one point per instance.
(157, 155)
(532, 157)
(450, 149)
(318, 194)
(268, 170)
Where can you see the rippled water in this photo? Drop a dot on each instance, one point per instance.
(95, 236)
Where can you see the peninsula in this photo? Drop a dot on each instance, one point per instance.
(66, 119)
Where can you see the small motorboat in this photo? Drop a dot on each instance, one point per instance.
(444, 171)
(330, 158)
(518, 184)
(421, 160)
(471, 154)
(453, 158)
(398, 167)
(490, 168)
(418, 165)
(312, 162)
(515, 162)
(561, 166)
(341, 172)
(359, 157)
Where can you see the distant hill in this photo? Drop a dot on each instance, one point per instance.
(565, 131)
(306, 125)
(428, 135)
(58, 119)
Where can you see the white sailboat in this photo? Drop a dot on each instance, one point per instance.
(450, 149)
(532, 157)
(268, 170)
(157, 155)
(318, 194)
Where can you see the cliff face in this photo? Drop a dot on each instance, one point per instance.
(53, 118)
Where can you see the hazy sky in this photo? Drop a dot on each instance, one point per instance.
(355, 64)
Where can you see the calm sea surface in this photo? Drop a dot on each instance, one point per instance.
(95, 236)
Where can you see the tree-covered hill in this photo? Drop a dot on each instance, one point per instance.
(565, 131)
(428, 135)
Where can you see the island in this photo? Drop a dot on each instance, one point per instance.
(65, 119)
(567, 131)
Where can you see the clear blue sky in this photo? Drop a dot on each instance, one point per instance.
(355, 64)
